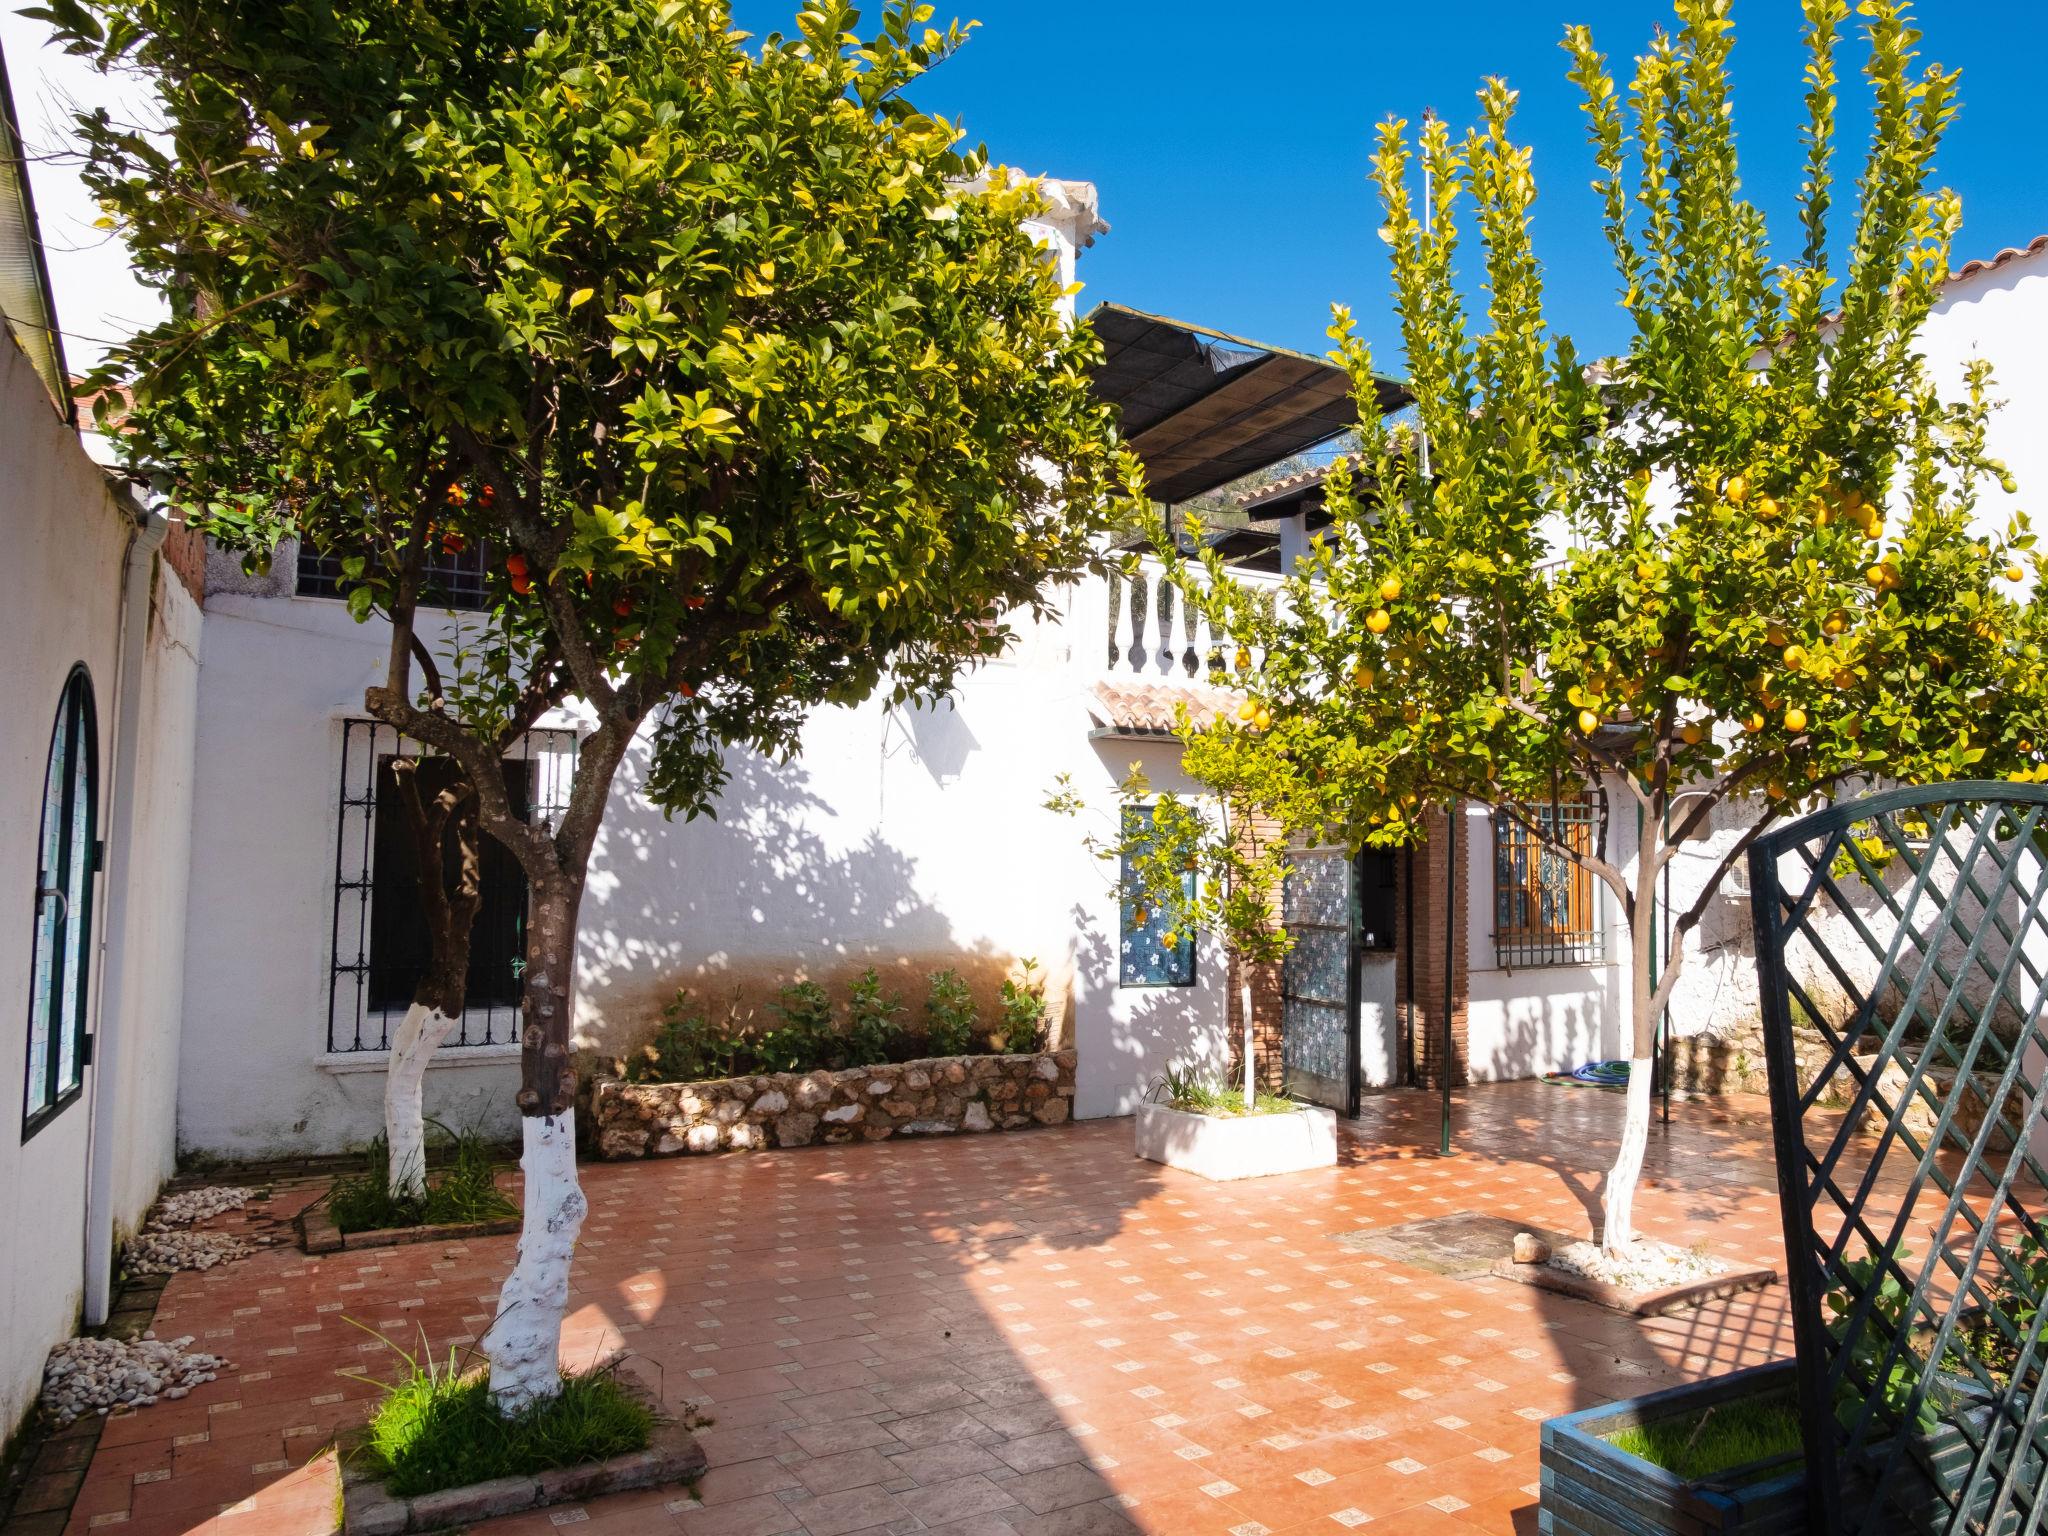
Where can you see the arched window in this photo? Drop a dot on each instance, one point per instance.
(66, 862)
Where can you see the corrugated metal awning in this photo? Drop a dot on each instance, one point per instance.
(1201, 408)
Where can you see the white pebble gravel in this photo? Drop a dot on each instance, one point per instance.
(95, 1375)
(162, 1253)
(190, 1205)
(1649, 1266)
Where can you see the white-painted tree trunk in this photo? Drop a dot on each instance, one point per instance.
(524, 1343)
(1618, 1234)
(405, 1126)
(1251, 1078)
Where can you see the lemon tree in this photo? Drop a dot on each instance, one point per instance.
(1709, 580)
(747, 371)
(1208, 865)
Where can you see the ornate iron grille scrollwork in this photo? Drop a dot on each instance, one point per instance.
(1902, 945)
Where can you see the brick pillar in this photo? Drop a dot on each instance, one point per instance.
(1266, 1006)
(1433, 882)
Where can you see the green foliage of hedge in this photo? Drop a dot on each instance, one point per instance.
(810, 1033)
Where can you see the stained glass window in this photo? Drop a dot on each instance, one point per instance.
(1145, 959)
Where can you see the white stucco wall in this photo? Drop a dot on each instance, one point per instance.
(2001, 314)
(145, 1070)
(904, 839)
(66, 539)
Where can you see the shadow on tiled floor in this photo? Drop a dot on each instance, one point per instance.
(1033, 1334)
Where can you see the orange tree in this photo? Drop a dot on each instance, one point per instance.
(1717, 576)
(747, 372)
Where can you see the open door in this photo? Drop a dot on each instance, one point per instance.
(1319, 979)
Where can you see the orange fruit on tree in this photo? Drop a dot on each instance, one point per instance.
(1795, 719)
(1390, 589)
(1378, 620)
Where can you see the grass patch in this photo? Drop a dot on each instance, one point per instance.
(1697, 1445)
(437, 1428)
(465, 1190)
(1185, 1091)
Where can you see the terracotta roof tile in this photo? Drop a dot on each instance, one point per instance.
(2011, 253)
(1315, 476)
(1141, 707)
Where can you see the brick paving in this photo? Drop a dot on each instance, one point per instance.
(1022, 1335)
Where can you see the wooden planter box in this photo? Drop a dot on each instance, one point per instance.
(1238, 1146)
(1590, 1488)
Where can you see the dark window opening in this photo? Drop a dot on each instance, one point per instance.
(1376, 899)
(399, 947)
(1145, 959)
(67, 862)
(452, 580)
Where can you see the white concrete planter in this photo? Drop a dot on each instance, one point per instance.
(1238, 1146)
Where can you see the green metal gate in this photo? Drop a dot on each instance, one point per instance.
(1902, 945)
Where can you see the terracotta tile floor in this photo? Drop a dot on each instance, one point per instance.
(1033, 1334)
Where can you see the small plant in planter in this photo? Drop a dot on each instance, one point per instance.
(465, 1191)
(438, 1453)
(1192, 1094)
(1204, 868)
(435, 1426)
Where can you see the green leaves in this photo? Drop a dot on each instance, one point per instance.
(1736, 562)
(756, 374)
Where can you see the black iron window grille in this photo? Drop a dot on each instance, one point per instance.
(1902, 945)
(1546, 908)
(379, 942)
(454, 579)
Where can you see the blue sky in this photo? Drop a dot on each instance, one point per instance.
(1231, 142)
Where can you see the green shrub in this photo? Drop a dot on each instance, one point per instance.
(873, 1033)
(438, 1428)
(687, 1048)
(465, 1190)
(805, 1039)
(1022, 1026)
(949, 1017)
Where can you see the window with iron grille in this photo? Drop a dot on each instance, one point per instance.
(1545, 904)
(380, 941)
(453, 579)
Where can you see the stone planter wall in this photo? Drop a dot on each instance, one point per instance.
(934, 1097)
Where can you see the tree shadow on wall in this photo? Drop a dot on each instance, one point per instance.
(736, 907)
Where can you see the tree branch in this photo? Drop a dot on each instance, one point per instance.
(482, 763)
